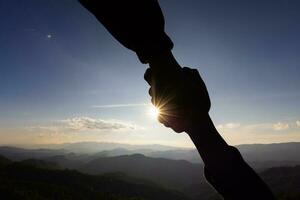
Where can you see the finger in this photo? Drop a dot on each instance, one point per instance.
(176, 124)
(154, 101)
(163, 120)
(155, 77)
(148, 76)
(150, 91)
(171, 122)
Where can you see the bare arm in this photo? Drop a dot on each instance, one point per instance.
(179, 92)
(225, 168)
(183, 99)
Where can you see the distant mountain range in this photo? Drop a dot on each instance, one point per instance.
(169, 167)
(176, 174)
(36, 179)
(30, 180)
(174, 167)
(275, 152)
(256, 154)
(95, 147)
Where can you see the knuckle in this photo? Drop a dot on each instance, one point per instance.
(150, 91)
(147, 75)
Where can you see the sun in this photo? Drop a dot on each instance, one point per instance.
(153, 112)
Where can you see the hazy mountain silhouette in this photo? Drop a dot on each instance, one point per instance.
(259, 156)
(275, 154)
(4, 161)
(283, 181)
(39, 164)
(170, 173)
(167, 166)
(95, 147)
(271, 152)
(35, 179)
(252, 152)
(15, 153)
(191, 155)
(20, 181)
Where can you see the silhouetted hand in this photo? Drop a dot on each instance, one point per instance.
(180, 95)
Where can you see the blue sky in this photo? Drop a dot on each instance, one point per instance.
(59, 69)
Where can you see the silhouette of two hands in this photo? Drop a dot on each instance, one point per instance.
(180, 95)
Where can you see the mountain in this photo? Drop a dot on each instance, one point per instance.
(262, 156)
(19, 181)
(72, 155)
(190, 155)
(95, 147)
(4, 161)
(39, 164)
(283, 181)
(276, 154)
(258, 155)
(170, 173)
(15, 153)
(271, 152)
(114, 152)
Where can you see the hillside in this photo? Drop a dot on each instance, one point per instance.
(22, 181)
(16, 153)
(35, 179)
(258, 155)
(283, 181)
(170, 173)
(271, 152)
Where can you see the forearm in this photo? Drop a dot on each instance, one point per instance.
(225, 168)
(207, 140)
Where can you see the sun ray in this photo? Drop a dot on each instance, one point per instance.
(153, 112)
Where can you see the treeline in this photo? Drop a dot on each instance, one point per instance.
(23, 180)
(38, 179)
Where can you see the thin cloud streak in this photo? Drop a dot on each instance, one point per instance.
(121, 105)
(229, 126)
(281, 126)
(79, 124)
(260, 127)
(87, 123)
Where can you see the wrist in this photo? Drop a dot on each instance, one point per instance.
(199, 123)
(205, 136)
(163, 59)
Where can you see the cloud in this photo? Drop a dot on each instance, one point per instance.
(121, 105)
(87, 123)
(229, 126)
(298, 123)
(261, 128)
(280, 126)
(78, 124)
(45, 128)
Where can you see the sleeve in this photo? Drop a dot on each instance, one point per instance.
(234, 179)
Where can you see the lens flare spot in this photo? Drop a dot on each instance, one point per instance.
(153, 112)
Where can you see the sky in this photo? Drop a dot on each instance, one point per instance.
(64, 78)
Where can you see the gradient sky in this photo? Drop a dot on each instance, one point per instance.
(63, 78)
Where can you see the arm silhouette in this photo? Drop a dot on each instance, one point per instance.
(184, 103)
(180, 93)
